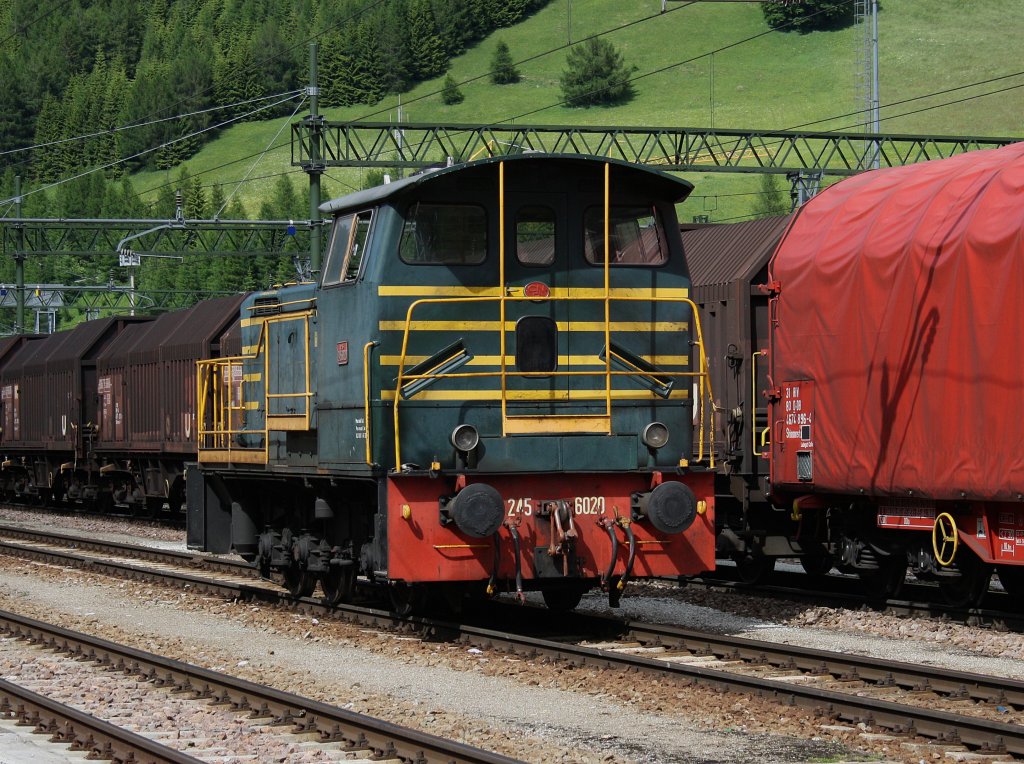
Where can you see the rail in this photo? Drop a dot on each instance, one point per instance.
(381, 739)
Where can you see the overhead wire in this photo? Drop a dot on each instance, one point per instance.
(148, 150)
(24, 27)
(133, 125)
(478, 77)
(254, 65)
(251, 66)
(260, 157)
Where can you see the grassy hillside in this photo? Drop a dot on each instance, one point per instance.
(705, 75)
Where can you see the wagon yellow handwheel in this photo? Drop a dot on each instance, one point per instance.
(945, 539)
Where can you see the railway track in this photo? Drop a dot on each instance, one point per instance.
(941, 707)
(916, 600)
(268, 712)
(66, 725)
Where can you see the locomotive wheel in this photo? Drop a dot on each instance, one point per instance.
(887, 580)
(754, 568)
(971, 585)
(562, 600)
(1012, 579)
(299, 583)
(339, 584)
(406, 599)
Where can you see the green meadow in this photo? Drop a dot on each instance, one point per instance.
(699, 64)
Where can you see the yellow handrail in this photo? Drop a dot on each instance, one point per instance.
(753, 406)
(703, 374)
(366, 397)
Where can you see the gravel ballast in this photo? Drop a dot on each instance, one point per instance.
(535, 712)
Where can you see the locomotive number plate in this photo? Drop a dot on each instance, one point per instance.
(580, 505)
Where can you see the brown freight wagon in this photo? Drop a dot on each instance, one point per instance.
(10, 394)
(13, 474)
(147, 388)
(728, 265)
(51, 388)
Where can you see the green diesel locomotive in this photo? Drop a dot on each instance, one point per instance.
(496, 384)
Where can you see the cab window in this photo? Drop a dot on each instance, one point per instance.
(348, 244)
(535, 235)
(635, 236)
(444, 234)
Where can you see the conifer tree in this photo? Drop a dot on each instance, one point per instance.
(504, 13)
(450, 93)
(48, 160)
(395, 47)
(503, 70)
(808, 15)
(596, 75)
(772, 200)
(426, 48)
(367, 74)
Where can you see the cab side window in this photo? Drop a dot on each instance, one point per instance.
(635, 236)
(349, 237)
(444, 234)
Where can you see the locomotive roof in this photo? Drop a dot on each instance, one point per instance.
(659, 182)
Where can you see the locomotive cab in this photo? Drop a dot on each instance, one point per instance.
(496, 384)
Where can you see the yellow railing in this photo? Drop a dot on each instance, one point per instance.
(753, 409)
(217, 435)
(221, 416)
(366, 398)
(503, 373)
(597, 422)
(298, 421)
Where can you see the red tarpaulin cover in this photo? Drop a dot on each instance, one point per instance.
(902, 303)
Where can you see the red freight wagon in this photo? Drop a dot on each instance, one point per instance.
(897, 318)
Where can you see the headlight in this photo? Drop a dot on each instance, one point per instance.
(465, 437)
(655, 435)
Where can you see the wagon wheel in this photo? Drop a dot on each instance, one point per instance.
(104, 503)
(967, 588)
(886, 581)
(817, 564)
(1012, 579)
(339, 584)
(754, 568)
(154, 506)
(561, 599)
(299, 582)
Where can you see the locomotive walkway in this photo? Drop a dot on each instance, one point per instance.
(940, 708)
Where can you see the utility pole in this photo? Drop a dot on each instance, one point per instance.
(876, 161)
(19, 260)
(316, 167)
(866, 16)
